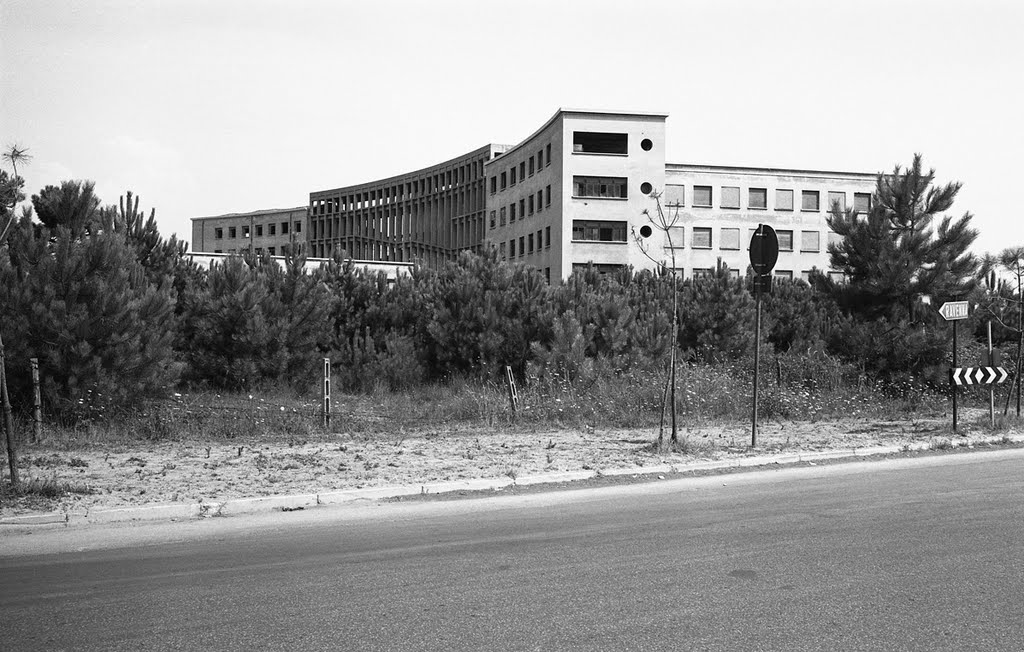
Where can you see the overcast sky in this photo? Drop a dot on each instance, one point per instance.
(209, 107)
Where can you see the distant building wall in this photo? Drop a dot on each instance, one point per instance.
(392, 270)
(719, 208)
(262, 231)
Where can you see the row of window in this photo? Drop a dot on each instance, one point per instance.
(526, 206)
(805, 275)
(259, 251)
(519, 173)
(700, 236)
(757, 198)
(729, 238)
(271, 229)
(527, 244)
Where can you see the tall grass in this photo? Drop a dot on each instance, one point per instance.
(807, 390)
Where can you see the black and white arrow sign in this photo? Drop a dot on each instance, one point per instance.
(978, 375)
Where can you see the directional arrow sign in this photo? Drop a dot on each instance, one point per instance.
(953, 310)
(978, 375)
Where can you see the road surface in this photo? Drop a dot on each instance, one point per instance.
(912, 554)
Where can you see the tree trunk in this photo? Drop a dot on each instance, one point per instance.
(12, 457)
(675, 342)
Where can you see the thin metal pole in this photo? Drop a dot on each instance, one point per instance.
(757, 358)
(952, 384)
(327, 393)
(991, 388)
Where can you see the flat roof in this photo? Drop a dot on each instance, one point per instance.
(405, 175)
(265, 211)
(565, 111)
(746, 169)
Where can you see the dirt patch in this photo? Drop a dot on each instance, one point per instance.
(192, 472)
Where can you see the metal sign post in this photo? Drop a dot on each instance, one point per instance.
(327, 392)
(954, 311)
(764, 253)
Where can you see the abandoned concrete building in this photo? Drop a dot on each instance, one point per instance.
(569, 195)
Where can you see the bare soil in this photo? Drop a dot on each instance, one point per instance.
(99, 475)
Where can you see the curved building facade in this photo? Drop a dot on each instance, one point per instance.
(426, 216)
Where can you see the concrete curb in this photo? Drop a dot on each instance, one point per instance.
(237, 506)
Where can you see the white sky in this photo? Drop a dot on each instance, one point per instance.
(204, 107)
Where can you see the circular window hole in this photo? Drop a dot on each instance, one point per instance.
(646, 144)
(646, 188)
(646, 231)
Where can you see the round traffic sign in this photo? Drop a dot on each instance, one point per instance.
(764, 249)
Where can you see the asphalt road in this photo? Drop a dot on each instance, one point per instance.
(919, 554)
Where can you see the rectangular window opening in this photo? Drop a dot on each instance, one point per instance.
(593, 142)
(598, 231)
(702, 196)
(599, 187)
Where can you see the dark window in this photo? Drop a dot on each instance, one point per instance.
(493, 218)
(512, 248)
(231, 232)
(494, 185)
(284, 228)
(529, 243)
(512, 212)
(531, 166)
(598, 231)
(702, 196)
(273, 229)
(592, 142)
(603, 187)
(540, 200)
(862, 202)
(272, 251)
(522, 248)
(504, 180)
(701, 237)
(259, 230)
(502, 215)
(512, 182)
(531, 204)
(547, 236)
(548, 150)
(297, 229)
(218, 233)
(547, 196)
(522, 170)
(809, 200)
(758, 198)
(522, 208)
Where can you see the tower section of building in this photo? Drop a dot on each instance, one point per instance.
(427, 216)
(719, 208)
(571, 194)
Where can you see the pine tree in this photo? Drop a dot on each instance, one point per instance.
(85, 308)
(902, 250)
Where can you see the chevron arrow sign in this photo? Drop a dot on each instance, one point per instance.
(978, 375)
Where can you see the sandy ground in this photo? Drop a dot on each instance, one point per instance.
(175, 471)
